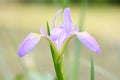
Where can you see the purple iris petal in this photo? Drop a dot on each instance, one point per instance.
(67, 20)
(57, 13)
(42, 32)
(31, 40)
(55, 33)
(88, 41)
(76, 29)
(59, 35)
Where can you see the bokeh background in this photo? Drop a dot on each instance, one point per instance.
(101, 18)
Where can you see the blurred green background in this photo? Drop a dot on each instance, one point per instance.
(20, 17)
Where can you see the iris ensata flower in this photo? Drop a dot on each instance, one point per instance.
(59, 36)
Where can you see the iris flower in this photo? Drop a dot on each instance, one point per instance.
(59, 36)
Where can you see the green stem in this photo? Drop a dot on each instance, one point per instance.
(58, 65)
(54, 61)
(76, 61)
(82, 13)
(78, 45)
(92, 68)
(58, 62)
(60, 68)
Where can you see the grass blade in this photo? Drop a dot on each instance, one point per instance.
(3, 67)
(100, 70)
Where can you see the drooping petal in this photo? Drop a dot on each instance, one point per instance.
(88, 41)
(30, 42)
(67, 20)
(57, 13)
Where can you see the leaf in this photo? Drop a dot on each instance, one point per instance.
(48, 29)
(52, 52)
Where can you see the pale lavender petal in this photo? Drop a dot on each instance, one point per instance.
(30, 42)
(42, 32)
(67, 20)
(88, 41)
(55, 32)
(57, 13)
(62, 37)
(58, 36)
(76, 29)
